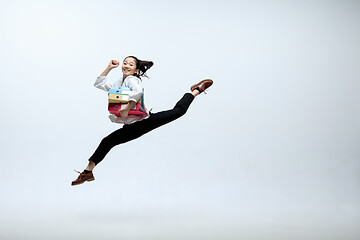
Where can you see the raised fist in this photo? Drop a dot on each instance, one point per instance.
(113, 64)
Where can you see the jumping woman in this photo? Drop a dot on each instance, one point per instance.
(134, 125)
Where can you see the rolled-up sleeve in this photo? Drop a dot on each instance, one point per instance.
(102, 83)
(136, 88)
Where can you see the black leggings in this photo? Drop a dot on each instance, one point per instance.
(132, 131)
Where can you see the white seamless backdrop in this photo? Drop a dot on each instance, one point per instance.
(270, 153)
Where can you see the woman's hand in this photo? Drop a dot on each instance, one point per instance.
(123, 112)
(113, 64)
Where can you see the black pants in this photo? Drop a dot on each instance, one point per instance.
(132, 131)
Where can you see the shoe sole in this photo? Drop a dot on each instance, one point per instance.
(87, 180)
(193, 86)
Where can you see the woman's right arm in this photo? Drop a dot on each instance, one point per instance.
(101, 82)
(112, 64)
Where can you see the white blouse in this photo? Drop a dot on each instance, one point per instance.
(132, 82)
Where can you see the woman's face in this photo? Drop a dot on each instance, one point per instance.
(129, 66)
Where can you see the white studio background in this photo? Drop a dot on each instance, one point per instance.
(272, 152)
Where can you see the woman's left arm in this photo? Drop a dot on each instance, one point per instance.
(135, 95)
(136, 89)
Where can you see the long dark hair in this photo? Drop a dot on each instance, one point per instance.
(142, 65)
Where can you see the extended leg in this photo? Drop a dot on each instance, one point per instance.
(137, 129)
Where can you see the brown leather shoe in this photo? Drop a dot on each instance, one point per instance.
(202, 86)
(82, 178)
